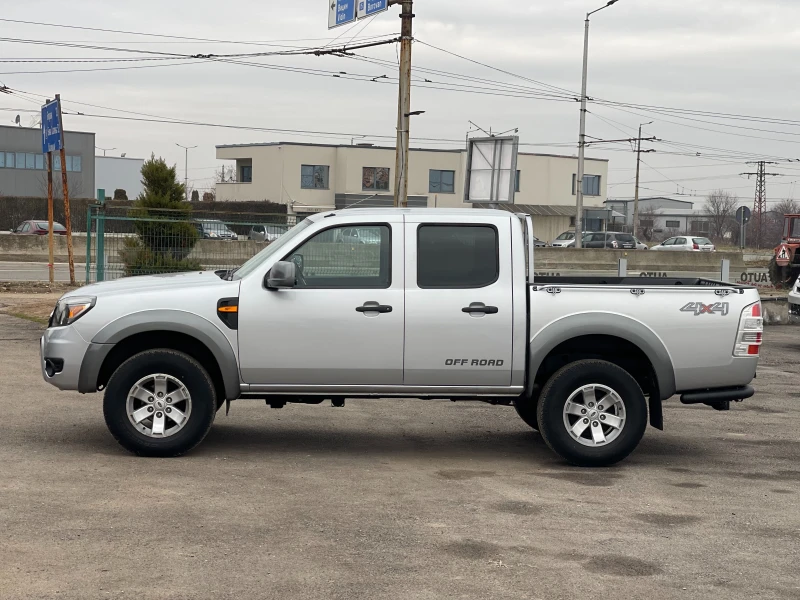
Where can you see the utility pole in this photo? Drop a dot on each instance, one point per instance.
(582, 135)
(404, 103)
(760, 205)
(186, 169)
(67, 211)
(638, 164)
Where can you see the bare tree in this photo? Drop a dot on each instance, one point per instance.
(647, 223)
(225, 175)
(721, 210)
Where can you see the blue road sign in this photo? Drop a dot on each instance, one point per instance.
(52, 136)
(341, 12)
(743, 215)
(367, 8)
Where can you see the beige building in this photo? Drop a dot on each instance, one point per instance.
(312, 178)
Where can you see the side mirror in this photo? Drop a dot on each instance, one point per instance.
(282, 275)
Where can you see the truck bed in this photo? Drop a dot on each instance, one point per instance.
(636, 281)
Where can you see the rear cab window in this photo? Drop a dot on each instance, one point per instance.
(457, 256)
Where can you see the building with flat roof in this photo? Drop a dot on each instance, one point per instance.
(312, 178)
(23, 167)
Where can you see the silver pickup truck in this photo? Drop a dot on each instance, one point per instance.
(443, 304)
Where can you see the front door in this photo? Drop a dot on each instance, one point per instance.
(343, 322)
(458, 302)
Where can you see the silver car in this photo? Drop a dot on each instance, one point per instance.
(686, 243)
(267, 233)
(565, 240)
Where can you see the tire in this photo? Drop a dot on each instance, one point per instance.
(582, 434)
(169, 424)
(526, 409)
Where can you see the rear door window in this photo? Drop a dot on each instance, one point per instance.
(680, 242)
(457, 256)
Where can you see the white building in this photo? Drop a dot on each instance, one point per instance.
(664, 216)
(116, 172)
(316, 177)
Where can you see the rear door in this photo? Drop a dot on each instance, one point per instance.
(459, 304)
(625, 241)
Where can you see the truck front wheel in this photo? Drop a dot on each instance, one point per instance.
(160, 403)
(592, 413)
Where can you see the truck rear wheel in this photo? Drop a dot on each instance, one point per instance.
(160, 403)
(592, 413)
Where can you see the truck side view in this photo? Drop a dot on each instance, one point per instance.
(440, 304)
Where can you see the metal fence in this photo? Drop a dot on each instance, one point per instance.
(125, 241)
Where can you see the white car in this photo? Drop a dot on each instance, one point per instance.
(639, 244)
(686, 244)
(794, 303)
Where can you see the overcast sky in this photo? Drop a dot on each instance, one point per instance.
(721, 56)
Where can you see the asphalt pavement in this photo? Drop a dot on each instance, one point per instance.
(396, 499)
(36, 271)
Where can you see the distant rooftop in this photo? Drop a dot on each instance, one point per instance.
(392, 148)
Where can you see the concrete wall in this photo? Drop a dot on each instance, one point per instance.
(544, 179)
(115, 172)
(33, 182)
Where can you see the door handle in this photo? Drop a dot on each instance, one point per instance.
(480, 309)
(374, 307)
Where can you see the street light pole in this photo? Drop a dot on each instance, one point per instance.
(186, 169)
(638, 164)
(582, 135)
(105, 149)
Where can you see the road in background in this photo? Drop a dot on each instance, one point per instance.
(35, 271)
(387, 499)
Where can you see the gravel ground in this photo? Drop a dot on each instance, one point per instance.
(396, 499)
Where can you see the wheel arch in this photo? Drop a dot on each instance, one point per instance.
(176, 330)
(608, 336)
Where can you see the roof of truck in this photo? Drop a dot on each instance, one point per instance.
(467, 212)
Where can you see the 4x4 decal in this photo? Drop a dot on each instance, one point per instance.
(698, 308)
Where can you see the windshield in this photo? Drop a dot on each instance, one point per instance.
(259, 259)
(567, 235)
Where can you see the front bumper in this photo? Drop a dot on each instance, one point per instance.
(63, 349)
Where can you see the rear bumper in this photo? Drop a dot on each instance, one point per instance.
(714, 396)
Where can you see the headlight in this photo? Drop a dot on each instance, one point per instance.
(69, 310)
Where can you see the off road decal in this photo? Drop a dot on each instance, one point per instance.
(473, 362)
(698, 308)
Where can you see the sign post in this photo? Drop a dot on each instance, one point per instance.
(743, 218)
(51, 142)
(67, 212)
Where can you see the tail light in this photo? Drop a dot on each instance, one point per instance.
(750, 335)
(695, 247)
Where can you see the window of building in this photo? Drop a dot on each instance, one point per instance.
(375, 178)
(673, 224)
(516, 182)
(2, 160)
(246, 174)
(56, 161)
(591, 185)
(700, 227)
(572, 222)
(451, 256)
(442, 182)
(20, 160)
(314, 177)
(10, 160)
(345, 257)
(30, 160)
(646, 223)
(40, 162)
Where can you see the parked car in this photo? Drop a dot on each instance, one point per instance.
(457, 314)
(686, 244)
(565, 240)
(215, 229)
(361, 235)
(640, 245)
(267, 233)
(610, 239)
(39, 228)
(537, 243)
(794, 303)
